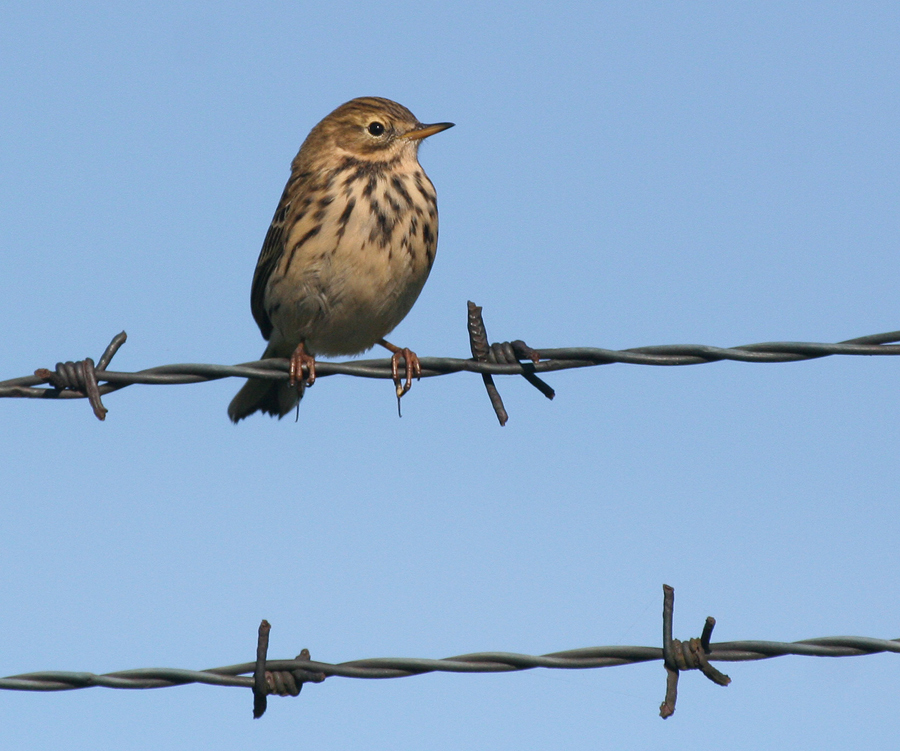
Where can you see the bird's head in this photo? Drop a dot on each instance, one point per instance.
(368, 128)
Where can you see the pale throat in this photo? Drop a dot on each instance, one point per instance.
(406, 152)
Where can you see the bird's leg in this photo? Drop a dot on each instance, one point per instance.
(412, 366)
(300, 359)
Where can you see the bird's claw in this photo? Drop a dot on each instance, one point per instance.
(299, 360)
(413, 369)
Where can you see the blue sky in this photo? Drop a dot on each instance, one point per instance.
(621, 174)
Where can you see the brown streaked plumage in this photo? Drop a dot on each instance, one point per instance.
(348, 251)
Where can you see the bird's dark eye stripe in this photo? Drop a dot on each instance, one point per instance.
(376, 128)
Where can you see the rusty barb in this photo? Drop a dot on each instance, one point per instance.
(506, 353)
(677, 655)
(85, 380)
(281, 682)
(80, 378)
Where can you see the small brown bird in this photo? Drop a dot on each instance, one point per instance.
(348, 251)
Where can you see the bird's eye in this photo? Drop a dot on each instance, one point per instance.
(376, 128)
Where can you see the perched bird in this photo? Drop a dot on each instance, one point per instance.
(348, 251)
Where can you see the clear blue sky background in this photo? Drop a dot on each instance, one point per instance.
(621, 174)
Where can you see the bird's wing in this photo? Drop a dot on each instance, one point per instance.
(272, 250)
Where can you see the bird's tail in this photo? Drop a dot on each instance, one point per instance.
(275, 398)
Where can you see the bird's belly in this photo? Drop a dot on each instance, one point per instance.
(348, 295)
(365, 300)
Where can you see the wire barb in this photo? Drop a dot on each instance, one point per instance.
(290, 682)
(678, 655)
(260, 684)
(504, 353)
(80, 378)
(281, 682)
(481, 351)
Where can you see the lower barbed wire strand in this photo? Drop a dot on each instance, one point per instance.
(482, 662)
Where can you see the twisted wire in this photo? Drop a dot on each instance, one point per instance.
(286, 677)
(241, 675)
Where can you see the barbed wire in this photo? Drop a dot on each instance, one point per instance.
(84, 379)
(286, 677)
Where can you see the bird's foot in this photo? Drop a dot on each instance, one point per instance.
(299, 360)
(413, 368)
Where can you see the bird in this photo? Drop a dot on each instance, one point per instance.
(348, 251)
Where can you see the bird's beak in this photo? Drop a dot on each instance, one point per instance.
(423, 131)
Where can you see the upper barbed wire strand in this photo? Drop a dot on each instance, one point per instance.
(82, 379)
(561, 358)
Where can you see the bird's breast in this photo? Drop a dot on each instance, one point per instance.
(358, 248)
